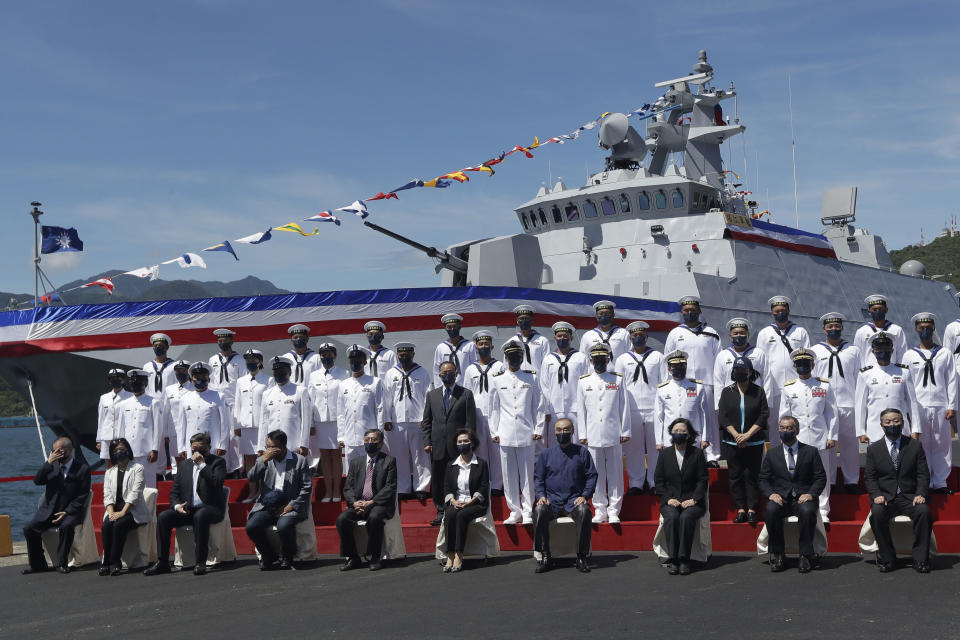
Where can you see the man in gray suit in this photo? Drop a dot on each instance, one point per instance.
(446, 409)
(283, 480)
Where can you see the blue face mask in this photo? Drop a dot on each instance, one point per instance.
(524, 323)
(371, 448)
(453, 333)
(803, 368)
(563, 342)
(788, 437)
(483, 352)
(375, 338)
(121, 455)
(253, 367)
(834, 334)
(883, 357)
(299, 343)
(679, 372)
(464, 448)
(357, 365)
(159, 349)
(327, 362)
(604, 318)
(781, 316)
(878, 315)
(691, 317)
(515, 360)
(226, 346)
(599, 364)
(638, 340)
(201, 383)
(926, 333)
(448, 378)
(405, 361)
(738, 341)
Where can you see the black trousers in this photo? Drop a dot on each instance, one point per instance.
(376, 518)
(200, 519)
(806, 514)
(544, 514)
(114, 535)
(743, 467)
(679, 527)
(457, 522)
(438, 471)
(922, 526)
(259, 523)
(33, 533)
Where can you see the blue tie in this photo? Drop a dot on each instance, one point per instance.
(446, 400)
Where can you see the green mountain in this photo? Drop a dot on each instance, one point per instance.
(941, 257)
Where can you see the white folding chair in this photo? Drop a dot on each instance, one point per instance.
(901, 530)
(702, 547)
(306, 540)
(791, 537)
(221, 547)
(563, 538)
(140, 548)
(481, 539)
(394, 546)
(84, 548)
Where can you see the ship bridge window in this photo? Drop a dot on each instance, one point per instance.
(523, 219)
(533, 218)
(660, 199)
(590, 209)
(644, 201)
(677, 198)
(557, 216)
(624, 203)
(608, 207)
(572, 212)
(543, 217)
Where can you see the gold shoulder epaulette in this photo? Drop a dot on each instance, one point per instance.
(664, 383)
(530, 371)
(695, 380)
(789, 382)
(823, 379)
(586, 375)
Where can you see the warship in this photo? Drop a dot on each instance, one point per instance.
(663, 219)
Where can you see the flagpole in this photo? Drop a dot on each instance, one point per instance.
(36, 213)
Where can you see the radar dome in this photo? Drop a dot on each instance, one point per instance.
(913, 268)
(613, 130)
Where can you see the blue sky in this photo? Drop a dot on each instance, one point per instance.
(159, 128)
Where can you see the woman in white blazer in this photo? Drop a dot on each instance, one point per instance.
(123, 499)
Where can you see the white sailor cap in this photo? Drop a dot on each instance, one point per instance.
(404, 346)
(277, 362)
(833, 316)
(562, 326)
(881, 339)
(483, 333)
(599, 305)
(875, 299)
(199, 366)
(778, 300)
(253, 353)
(802, 354)
(137, 373)
(923, 316)
(299, 328)
(117, 372)
(451, 317)
(181, 364)
(374, 325)
(685, 300)
(224, 333)
(600, 349)
(355, 349)
(675, 357)
(160, 336)
(326, 346)
(637, 325)
(521, 309)
(738, 323)
(512, 345)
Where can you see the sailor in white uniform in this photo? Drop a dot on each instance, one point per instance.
(407, 383)
(604, 426)
(877, 307)
(160, 369)
(535, 345)
(740, 347)
(226, 367)
(141, 423)
(303, 359)
(379, 358)
(777, 341)
(516, 422)
(682, 397)
(813, 403)
(839, 362)
(610, 334)
(362, 404)
(951, 339)
(478, 378)
(172, 410)
(247, 403)
(108, 412)
(204, 410)
(324, 391)
(935, 384)
(885, 385)
(558, 377)
(641, 370)
(285, 406)
(456, 349)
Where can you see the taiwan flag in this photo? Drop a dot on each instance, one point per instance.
(57, 239)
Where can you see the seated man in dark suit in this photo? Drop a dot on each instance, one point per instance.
(371, 495)
(792, 477)
(197, 500)
(898, 479)
(282, 482)
(66, 481)
(564, 478)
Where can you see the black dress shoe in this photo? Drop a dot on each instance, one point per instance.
(28, 570)
(376, 566)
(266, 564)
(497, 493)
(672, 568)
(776, 562)
(438, 520)
(350, 564)
(684, 569)
(544, 565)
(884, 567)
(921, 567)
(853, 488)
(804, 565)
(422, 495)
(740, 517)
(582, 565)
(115, 571)
(199, 569)
(634, 491)
(103, 571)
(752, 517)
(947, 491)
(157, 568)
(287, 565)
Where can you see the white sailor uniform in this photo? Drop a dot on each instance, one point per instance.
(935, 385)
(841, 366)
(777, 346)
(618, 339)
(323, 388)
(478, 378)
(408, 390)
(462, 355)
(640, 376)
(247, 403)
(865, 333)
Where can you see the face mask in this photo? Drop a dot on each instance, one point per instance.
(788, 437)
(893, 431)
(563, 343)
(448, 378)
(638, 340)
(781, 316)
(281, 377)
(878, 315)
(740, 375)
(564, 438)
(464, 448)
(483, 352)
(739, 341)
(182, 377)
(253, 367)
(327, 362)
(690, 317)
(116, 384)
(201, 450)
(803, 368)
(299, 343)
(159, 349)
(453, 333)
(679, 372)
(678, 438)
(405, 361)
(926, 333)
(599, 365)
(515, 360)
(201, 384)
(375, 338)
(138, 385)
(834, 334)
(524, 323)
(883, 357)
(357, 365)
(605, 318)
(226, 347)
(121, 455)
(371, 448)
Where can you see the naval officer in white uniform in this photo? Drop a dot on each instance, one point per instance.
(610, 334)
(681, 397)
(407, 383)
(177, 441)
(777, 341)
(478, 378)
(881, 386)
(108, 412)
(285, 407)
(141, 423)
(204, 410)
(226, 367)
(877, 307)
(362, 404)
(379, 358)
(456, 349)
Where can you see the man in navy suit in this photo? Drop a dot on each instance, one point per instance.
(792, 477)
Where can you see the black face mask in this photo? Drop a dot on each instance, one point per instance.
(564, 438)
(788, 437)
(299, 343)
(448, 378)
(226, 346)
(893, 431)
(604, 319)
(638, 340)
(834, 334)
(524, 323)
(739, 375)
(357, 365)
(137, 385)
(159, 349)
(121, 455)
(781, 316)
(253, 367)
(375, 338)
(679, 372)
(878, 315)
(182, 377)
(203, 451)
(405, 361)
(883, 357)
(116, 384)
(201, 385)
(453, 333)
(327, 362)
(925, 333)
(803, 368)
(515, 360)
(599, 364)
(679, 438)
(281, 377)
(464, 448)
(371, 448)
(483, 352)
(738, 341)
(690, 317)
(563, 343)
